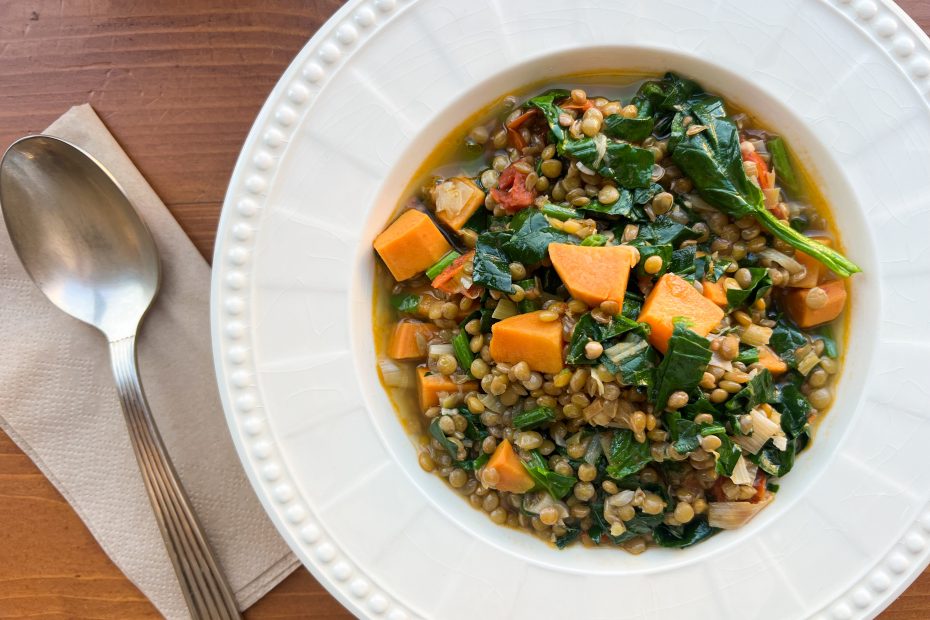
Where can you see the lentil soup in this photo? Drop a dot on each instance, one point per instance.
(611, 313)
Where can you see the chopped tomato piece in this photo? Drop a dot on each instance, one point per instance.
(518, 122)
(582, 107)
(759, 484)
(516, 139)
(450, 278)
(766, 181)
(511, 192)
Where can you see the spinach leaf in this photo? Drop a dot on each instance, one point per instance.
(646, 194)
(759, 390)
(728, 454)
(647, 250)
(681, 536)
(529, 244)
(759, 285)
(620, 325)
(405, 303)
(773, 461)
(748, 356)
(623, 206)
(701, 405)
(665, 230)
(586, 330)
(629, 129)
(491, 265)
(630, 166)
(632, 305)
(825, 333)
(627, 456)
(786, 339)
(707, 150)
(661, 99)
(546, 104)
(534, 417)
(436, 433)
(633, 360)
(685, 434)
(683, 261)
(571, 535)
(557, 485)
(781, 161)
(683, 366)
(794, 408)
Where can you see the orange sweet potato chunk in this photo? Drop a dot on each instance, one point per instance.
(430, 386)
(409, 338)
(410, 245)
(527, 338)
(716, 292)
(815, 269)
(593, 274)
(769, 359)
(512, 475)
(806, 317)
(672, 298)
(456, 200)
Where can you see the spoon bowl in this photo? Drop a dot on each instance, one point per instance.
(77, 234)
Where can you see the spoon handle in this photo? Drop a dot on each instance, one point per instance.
(205, 589)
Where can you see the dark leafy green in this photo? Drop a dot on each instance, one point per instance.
(632, 305)
(405, 303)
(586, 330)
(758, 390)
(557, 485)
(728, 454)
(629, 129)
(491, 265)
(646, 251)
(825, 333)
(795, 409)
(546, 104)
(530, 242)
(781, 161)
(748, 356)
(683, 365)
(776, 462)
(683, 261)
(534, 417)
(627, 456)
(629, 166)
(707, 150)
(665, 230)
(460, 345)
(681, 536)
(785, 340)
(685, 434)
(636, 363)
(759, 285)
(436, 433)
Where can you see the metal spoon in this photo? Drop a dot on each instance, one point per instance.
(86, 248)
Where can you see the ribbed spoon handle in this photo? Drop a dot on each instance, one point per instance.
(205, 589)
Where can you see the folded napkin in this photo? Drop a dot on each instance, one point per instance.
(59, 404)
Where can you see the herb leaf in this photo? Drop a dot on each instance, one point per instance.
(630, 166)
(529, 244)
(491, 265)
(683, 366)
(627, 456)
(557, 485)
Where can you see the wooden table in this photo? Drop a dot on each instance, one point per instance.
(179, 84)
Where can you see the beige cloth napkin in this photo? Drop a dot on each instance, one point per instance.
(58, 403)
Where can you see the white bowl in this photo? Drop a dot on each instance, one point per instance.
(324, 167)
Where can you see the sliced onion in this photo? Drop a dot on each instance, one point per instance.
(731, 515)
(594, 450)
(756, 335)
(763, 429)
(808, 363)
(491, 403)
(584, 169)
(780, 442)
(782, 259)
(435, 350)
(394, 375)
(505, 309)
(740, 473)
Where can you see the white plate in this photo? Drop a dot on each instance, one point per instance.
(324, 165)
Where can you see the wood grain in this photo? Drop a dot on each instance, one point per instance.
(179, 84)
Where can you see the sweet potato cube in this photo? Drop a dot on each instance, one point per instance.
(527, 338)
(456, 201)
(409, 340)
(511, 475)
(674, 298)
(716, 292)
(430, 386)
(410, 245)
(769, 359)
(805, 316)
(594, 274)
(815, 269)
